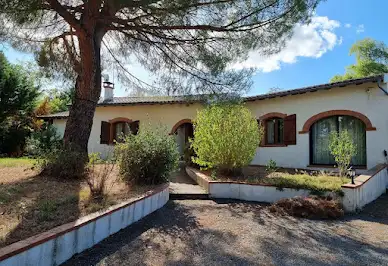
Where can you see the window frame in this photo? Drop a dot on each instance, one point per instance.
(276, 126)
(263, 121)
(311, 148)
(112, 127)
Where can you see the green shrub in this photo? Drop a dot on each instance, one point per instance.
(343, 149)
(188, 155)
(271, 166)
(226, 137)
(63, 163)
(42, 141)
(147, 158)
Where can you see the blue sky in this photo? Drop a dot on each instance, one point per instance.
(315, 53)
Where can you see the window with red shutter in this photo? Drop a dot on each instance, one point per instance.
(290, 130)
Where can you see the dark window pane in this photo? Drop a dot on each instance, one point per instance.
(280, 125)
(270, 132)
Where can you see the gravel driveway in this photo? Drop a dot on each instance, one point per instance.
(220, 233)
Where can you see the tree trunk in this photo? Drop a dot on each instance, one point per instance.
(87, 93)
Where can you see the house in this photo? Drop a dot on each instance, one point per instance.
(297, 122)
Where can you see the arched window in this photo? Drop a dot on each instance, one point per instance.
(320, 134)
(123, 128)
(116, 129)
(279, 129)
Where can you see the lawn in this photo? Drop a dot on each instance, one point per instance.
(31, 204)
(15, 162)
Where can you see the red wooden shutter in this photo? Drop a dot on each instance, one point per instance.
(105, 132)
(290, 130)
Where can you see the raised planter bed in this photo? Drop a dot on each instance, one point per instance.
(59, 244)
(368, 187)
(243, 190)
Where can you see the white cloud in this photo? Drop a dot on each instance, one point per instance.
(311, 40)
(348, 25)
(360, 28)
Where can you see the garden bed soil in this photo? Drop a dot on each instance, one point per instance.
(31, 204)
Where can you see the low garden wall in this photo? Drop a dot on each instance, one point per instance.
(243, 191)
(368, 187)
(61, 243)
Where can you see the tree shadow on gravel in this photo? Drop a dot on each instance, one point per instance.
(170, 231)
(236, 233)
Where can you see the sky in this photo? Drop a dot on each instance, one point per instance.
(315, 52)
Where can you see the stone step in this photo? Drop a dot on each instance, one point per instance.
(189, 196)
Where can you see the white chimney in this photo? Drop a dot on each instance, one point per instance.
(108, 90)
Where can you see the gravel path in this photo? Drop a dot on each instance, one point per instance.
(220, 233)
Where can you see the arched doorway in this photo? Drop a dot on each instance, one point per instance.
(320, 134)
(183, 131)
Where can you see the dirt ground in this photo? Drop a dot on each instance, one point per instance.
(234, 233)
(31, 204)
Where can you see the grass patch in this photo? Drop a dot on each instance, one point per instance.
(47, 210)
(7, 194)
(15, 162)
(317, 184)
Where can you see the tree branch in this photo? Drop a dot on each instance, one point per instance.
(67, 16)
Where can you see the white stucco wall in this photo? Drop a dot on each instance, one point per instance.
(373, 104)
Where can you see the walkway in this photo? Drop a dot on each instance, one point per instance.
(195, 232)
(181, 185)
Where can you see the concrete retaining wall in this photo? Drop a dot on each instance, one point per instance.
(243, 191)
(61, 243)
(366, 189)
(253, 192)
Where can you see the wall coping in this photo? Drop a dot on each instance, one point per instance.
(362, 179)
(28, 243)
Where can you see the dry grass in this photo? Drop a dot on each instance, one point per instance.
(31, 204)
(310, 207)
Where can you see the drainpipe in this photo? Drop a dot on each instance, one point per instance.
(379, 83)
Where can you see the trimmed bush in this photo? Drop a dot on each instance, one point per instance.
(147, 158)
(226, 137)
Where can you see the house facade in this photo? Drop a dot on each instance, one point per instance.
(297, 122)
